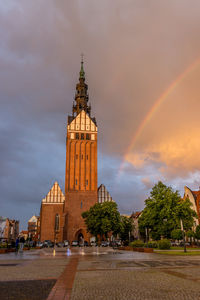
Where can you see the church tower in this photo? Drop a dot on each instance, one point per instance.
(81, 163)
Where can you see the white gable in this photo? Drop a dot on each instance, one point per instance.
(33, 219)
(55, 195)
(82, 122)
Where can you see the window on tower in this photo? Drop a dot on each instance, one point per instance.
(87, 136)
(82, 136)
(76, 181)
(86, 182)
(77, 136)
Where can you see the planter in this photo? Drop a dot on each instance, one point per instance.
(3, 250)
(138, 249)
(145, 250)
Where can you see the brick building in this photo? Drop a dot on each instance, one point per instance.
(9, 229)
(33, 224)
(60, 214)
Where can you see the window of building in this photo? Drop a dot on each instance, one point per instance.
(77, 136)
(81, 204)
(76, 156)
(87, 136)
(86, 182)
(82, 136)
(87, 157)
(57, 221)
(76, 181)
(82, 156)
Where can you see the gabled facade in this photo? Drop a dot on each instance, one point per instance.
(103, 194)
(194, 197)
(51, 213)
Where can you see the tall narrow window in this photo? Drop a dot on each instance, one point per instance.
(76, 156)
(81, 204)
(57, 221)
(76, 181)
(87, 136)
(87, 156)
(77, 136)
(86, 182)
(82, 136)
(82, 156)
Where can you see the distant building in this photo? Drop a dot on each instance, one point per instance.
(135, 217)
(103, 194)
(33, 227)
(24, 233)
(194, 197)
(9, 229)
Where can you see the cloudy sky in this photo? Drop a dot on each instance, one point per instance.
(137, 54)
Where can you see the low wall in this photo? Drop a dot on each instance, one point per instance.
(138, 249)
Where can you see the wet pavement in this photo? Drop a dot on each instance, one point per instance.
(98, 273)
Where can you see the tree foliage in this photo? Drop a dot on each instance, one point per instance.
(163, 211)
(102, 218)
(177, 234)
(126, 228)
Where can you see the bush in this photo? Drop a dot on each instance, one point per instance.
(137, 244)
(152, 244)
(164, 244)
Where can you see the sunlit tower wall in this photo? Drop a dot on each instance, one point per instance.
(81, 164)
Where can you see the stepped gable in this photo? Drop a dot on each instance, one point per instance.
(55, 195)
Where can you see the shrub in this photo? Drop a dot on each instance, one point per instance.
(137, 244)
(152, 244)
(164, 244)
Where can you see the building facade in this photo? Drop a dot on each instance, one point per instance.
(60, 214)
(9, 229)
(103, 194)
(194, 197)
(33, 225)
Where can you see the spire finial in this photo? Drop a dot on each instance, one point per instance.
(82, 72)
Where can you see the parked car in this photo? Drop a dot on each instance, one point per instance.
(104, 244)
(40, 244)
(118, 242)
(86, 244)
(48, 244)
(60, 244)
(94, 244)
(66, 243)
(75, 243)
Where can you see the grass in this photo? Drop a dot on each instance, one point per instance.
(169, 252)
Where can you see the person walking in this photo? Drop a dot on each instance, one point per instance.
(21, 243)
(17, 244)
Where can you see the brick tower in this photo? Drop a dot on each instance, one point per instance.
(81, 163)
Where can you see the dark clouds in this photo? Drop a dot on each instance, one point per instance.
(133, 51)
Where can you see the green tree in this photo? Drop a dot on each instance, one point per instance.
(177, 234)
(102, 218)
(126, 228)
(197, 232)
(163, 211)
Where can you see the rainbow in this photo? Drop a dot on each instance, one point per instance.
(155, 108)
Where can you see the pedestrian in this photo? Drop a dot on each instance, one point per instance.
(17, 244)
(21, 243)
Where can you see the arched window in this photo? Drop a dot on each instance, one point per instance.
(57, 221)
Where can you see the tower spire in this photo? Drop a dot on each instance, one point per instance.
(81, 96)
(82, 72)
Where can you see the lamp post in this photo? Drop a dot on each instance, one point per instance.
(184, 244)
